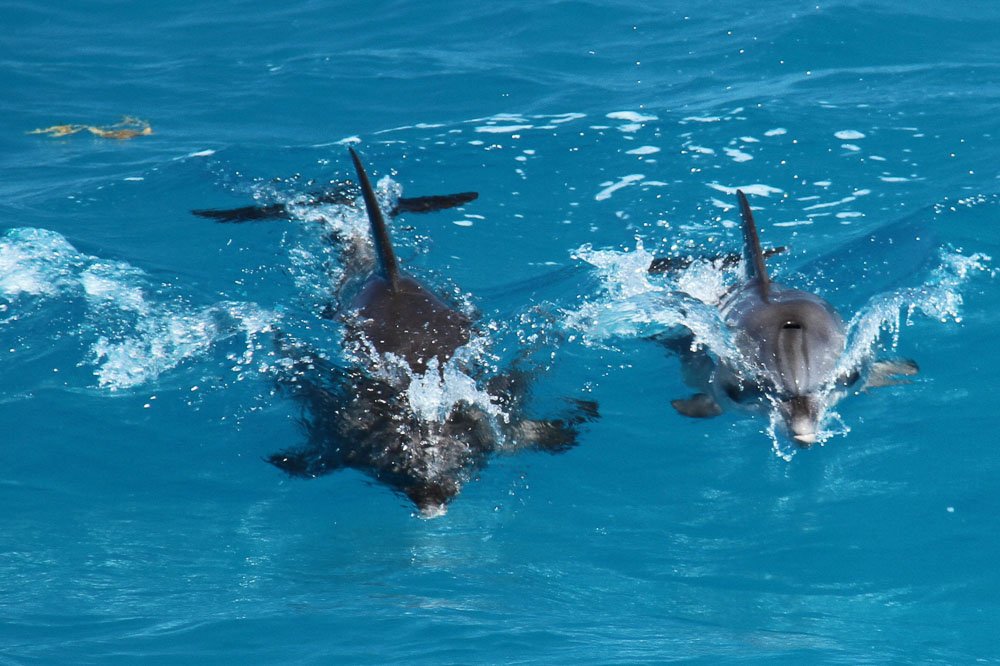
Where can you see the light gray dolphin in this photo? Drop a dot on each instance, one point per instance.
(791, 340)
(789, 345)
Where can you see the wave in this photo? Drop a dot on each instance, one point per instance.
(133, 330)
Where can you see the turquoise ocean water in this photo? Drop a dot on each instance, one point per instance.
(141, 523)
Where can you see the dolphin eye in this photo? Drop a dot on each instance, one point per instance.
(792, 326)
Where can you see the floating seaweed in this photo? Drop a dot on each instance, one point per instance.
(128, 128)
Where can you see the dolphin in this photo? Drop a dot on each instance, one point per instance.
(789, 344)
(790, 339)
(361, 416)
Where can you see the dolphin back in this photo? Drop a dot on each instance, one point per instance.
(755, 271)
(397, 314)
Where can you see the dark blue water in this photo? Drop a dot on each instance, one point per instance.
(142, 523)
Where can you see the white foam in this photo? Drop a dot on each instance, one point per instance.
(738, 155)
(136, 333)
(36, 262)
(611, 188)
(702, 119)
(849, 135)
(630, 128)
(202, 153)
(502, 129)
(830, 204)
(938, 297)
(777, 131)
(631, 305)
(165, 336)
(631, 116)
(756, 189)
(434, 394)
(560, 118)
(643, 150)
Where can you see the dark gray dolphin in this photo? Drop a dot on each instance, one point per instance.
(360, 416)
(789, 343)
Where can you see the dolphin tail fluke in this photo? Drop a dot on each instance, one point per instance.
(753, 256)
(556, 435)
(698, 406)
(388, 267)
(890, 373)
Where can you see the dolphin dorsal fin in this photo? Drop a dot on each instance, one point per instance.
(753, 258)
(388, 267)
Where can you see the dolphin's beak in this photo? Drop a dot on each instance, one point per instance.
(802, 416)
(805, 440)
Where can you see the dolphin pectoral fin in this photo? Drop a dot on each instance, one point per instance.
(556, 435)
(698, 406)
(304, 464)
(585, 411)
(550, 435)
(244, 214)
(890, 373)
(433, 203)
(661, 265)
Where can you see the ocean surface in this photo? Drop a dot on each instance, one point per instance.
(141, 522)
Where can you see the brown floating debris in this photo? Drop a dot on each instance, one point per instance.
(128, 128)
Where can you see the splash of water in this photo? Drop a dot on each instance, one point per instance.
(343, 220)
(938, 297)
(37, 262)
(632, 305)
(136, 335)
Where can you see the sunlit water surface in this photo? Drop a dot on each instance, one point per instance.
(139, 349)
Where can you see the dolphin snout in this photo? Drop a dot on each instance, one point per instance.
(805, 440)
(802, 417)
